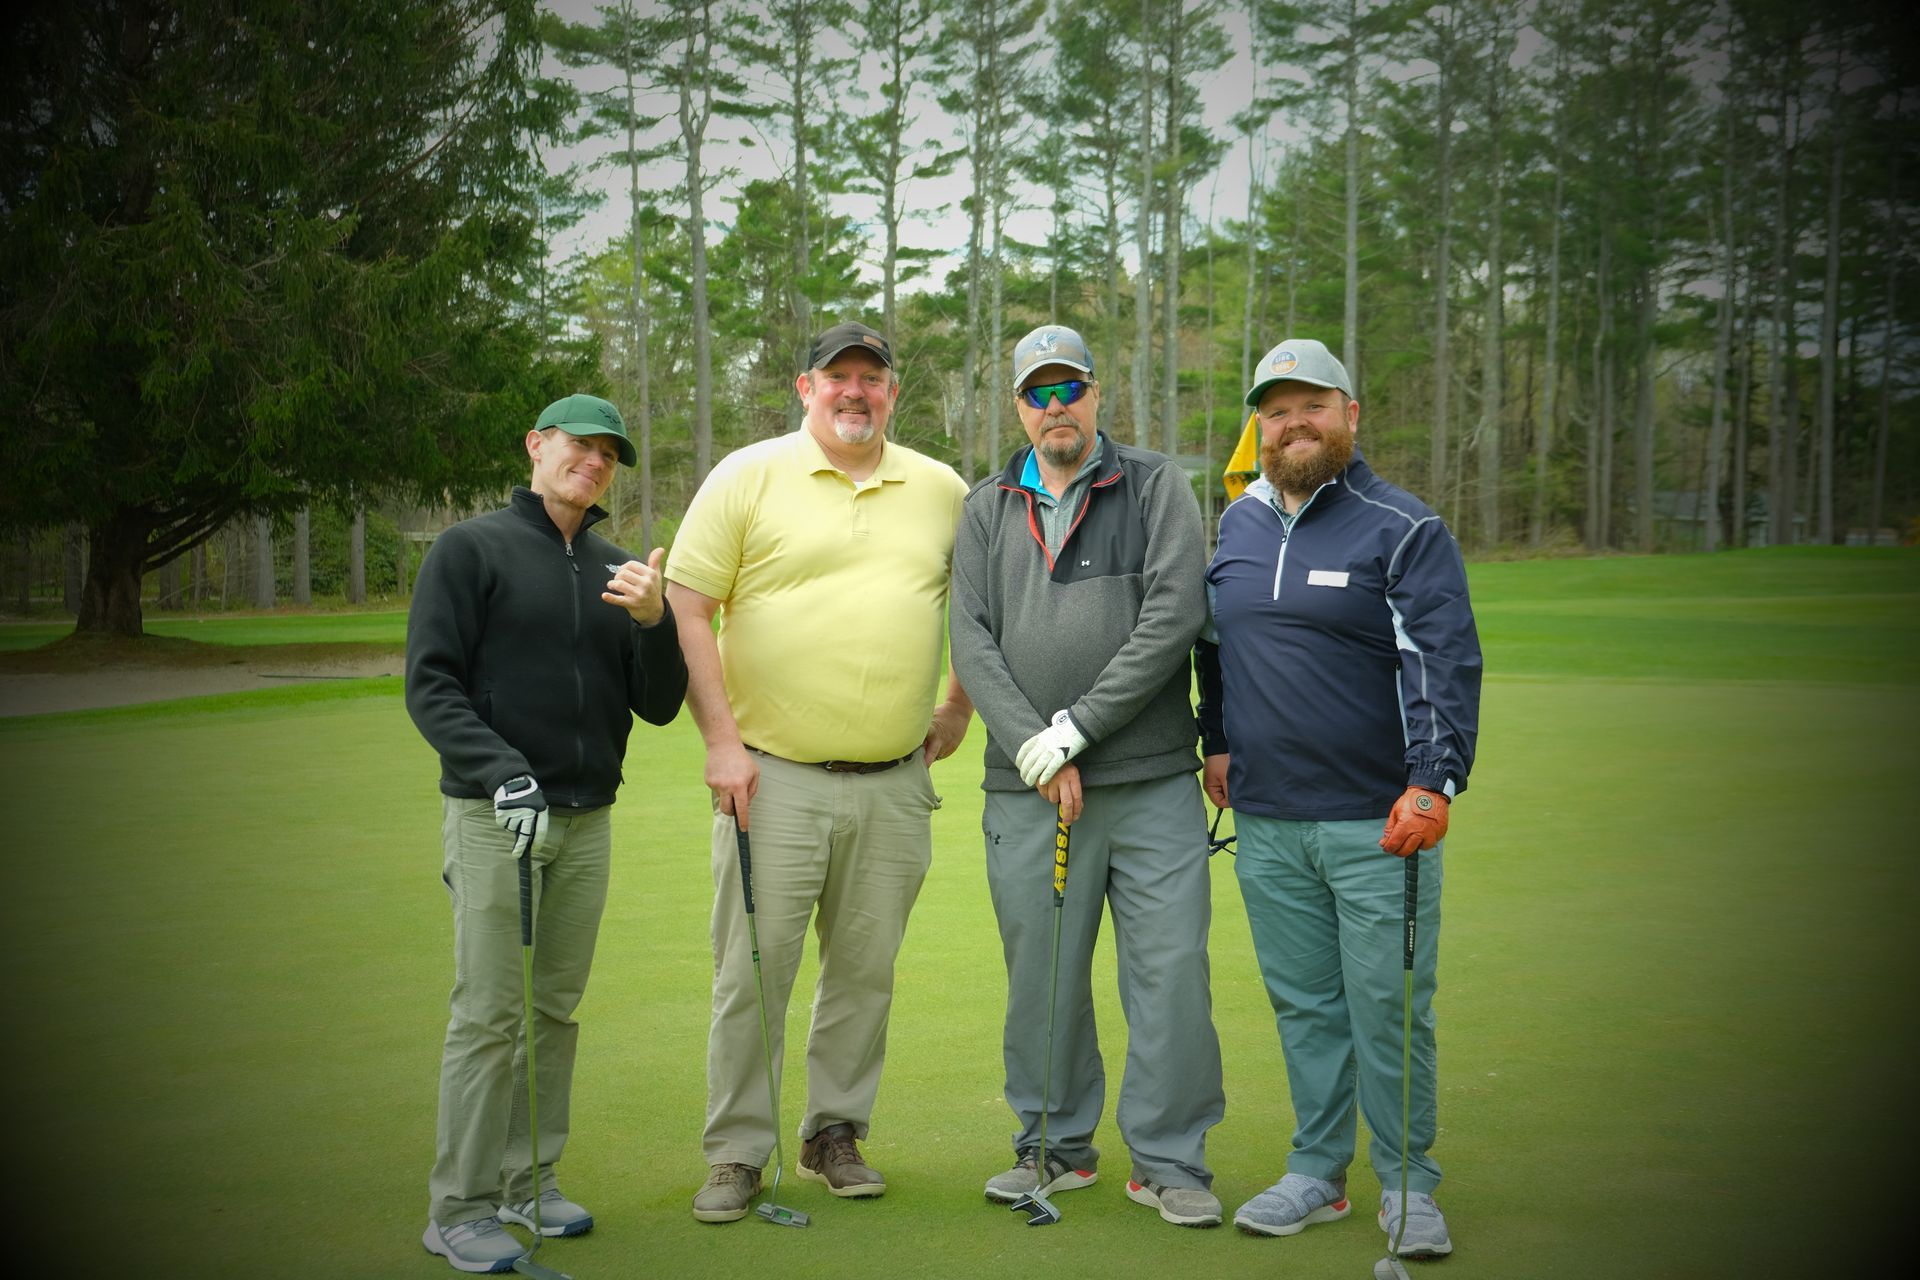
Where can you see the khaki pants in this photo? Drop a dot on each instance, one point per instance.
(480, 1151)
(848, 851)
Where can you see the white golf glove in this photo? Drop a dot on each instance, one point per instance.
(1041, 756)
(519, 806)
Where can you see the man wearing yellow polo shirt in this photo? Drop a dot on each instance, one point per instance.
(825, 554)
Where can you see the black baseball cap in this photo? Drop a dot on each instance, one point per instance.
(851, 334)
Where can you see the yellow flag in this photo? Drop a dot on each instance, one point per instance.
(1244, 466)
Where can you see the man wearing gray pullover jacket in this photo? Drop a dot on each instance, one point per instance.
(1077, 594)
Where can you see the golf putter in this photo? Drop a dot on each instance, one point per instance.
(1391, 1267)
(525, 1264)
(1040, 1211)
(770, 1209)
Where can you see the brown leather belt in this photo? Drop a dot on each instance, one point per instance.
(850, 766)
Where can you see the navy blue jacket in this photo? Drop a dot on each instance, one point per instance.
(1347, 666)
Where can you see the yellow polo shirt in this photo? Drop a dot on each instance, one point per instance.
(833, 594)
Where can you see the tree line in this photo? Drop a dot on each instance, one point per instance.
(1612, 274)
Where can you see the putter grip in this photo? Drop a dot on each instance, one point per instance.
(1411, 909)
(526, 897)
(1060, 854)
(746, 866)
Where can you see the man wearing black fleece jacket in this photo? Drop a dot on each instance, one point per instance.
(525, 666)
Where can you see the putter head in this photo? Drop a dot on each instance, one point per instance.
(781, 1216)
(1040, 1211)
(1390, 1269)
(526, 1266)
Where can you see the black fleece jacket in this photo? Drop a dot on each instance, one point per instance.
(516, 665)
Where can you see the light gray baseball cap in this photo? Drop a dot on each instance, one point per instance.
(1299, 360)
(1050, 344)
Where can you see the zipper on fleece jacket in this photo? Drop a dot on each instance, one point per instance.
(579, 681)
(1033, 526)
(1286, 535)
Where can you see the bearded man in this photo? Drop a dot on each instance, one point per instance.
(1340, 694)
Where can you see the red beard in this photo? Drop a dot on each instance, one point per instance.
(1302, 473)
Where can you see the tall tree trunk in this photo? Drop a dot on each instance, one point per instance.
(73, 561)
(1142, 285)
(1877, 490)
(1550, 377)
(1493, 350)
(109, 597)
(1737, 531)
(1643, 412)
(1600, 418)
(1110, 358)
(693, 129)
(1350, 334)
(357, 557)
(637, 317)
(1722, 353)
(1170, 268)
(1830, 311)
(999, 394)
(302, 557)
(1443, 264)
(197, 593)
(167, 584)
(263, 575)
(1256, 165)
(802, 39)
(1780, 430)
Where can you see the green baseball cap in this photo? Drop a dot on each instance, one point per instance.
(585, 415)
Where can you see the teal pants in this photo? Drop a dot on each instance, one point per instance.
(1325, 905)
(481, 1155)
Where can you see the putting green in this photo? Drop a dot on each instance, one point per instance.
(1673, 1014)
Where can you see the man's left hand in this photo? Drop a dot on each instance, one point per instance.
(1418, 822)
(946, 732)
(638, 588)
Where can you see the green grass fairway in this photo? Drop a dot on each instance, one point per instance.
(1676, 999)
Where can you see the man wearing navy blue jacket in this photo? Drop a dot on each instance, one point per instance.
(1338, 713)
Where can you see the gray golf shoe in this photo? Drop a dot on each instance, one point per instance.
(1293, 1204)
(1182, 1206)
(728, 1191)
(1426, 1235)
(559, 1216)
(1021, 1180)
(481, 1245)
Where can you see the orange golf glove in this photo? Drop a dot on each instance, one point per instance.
(1418, 821)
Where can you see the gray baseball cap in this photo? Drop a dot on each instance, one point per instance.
(585, 415)
(1299, 360)
(1050, 344)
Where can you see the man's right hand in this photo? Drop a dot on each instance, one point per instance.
(733, 777)
(1213, 779)
(1063, 790)
(520, 807)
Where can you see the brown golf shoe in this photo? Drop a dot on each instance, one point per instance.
(729, 1189)
(831, 1157)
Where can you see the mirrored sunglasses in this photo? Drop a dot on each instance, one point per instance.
(1064, 392)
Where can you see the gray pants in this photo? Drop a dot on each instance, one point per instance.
(480, 1150)
(1142, 847)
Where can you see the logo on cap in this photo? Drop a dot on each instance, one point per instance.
(1284, 362)
(1047, 341)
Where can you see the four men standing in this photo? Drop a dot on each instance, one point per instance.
(1339, 674)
